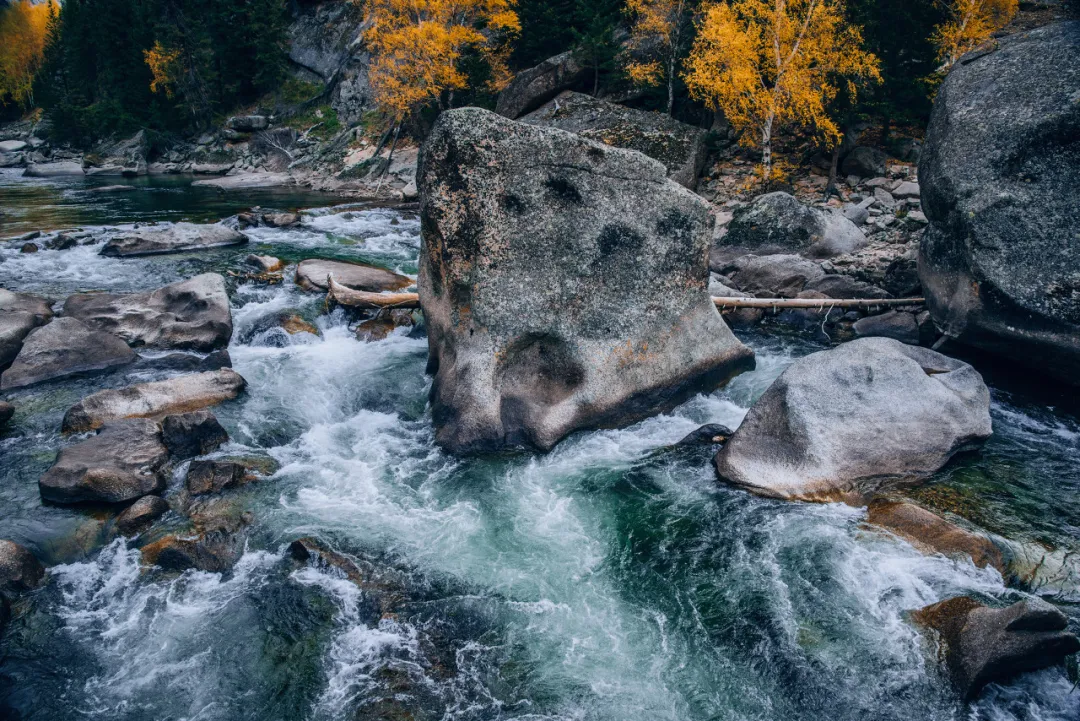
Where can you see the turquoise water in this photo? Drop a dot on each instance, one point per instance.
(610, 579)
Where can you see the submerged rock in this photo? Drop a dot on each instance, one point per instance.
(7, 412)
(708, 435)
(19, 568)
(265, 263)
(564, 285)
(984, 644)
(215, 476)
(124, 461)
(842, 422)
(998, 179)
(192, 314)
(176, 238)
(65, 347)
(533, 87)
(383, 324)
(678, 146)
(214, 551)
(311, 275)
(779, 223)
(192, 434)
(141, 514)
(148, 400)
(53, 170)
(930, 532)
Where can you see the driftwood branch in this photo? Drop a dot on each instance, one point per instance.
(364, 299)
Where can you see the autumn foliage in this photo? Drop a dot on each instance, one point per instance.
(657, 35)
(971, 23)
(766, 63)
(22, 42)
(417, 44)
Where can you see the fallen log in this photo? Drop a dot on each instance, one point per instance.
(365, 299)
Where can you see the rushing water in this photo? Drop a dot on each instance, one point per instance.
(612, 578)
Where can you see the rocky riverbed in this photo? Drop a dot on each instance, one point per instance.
(316, 555)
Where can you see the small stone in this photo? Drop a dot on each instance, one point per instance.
(383, 324)
(281, 220)
(294, 324)
(856, 214)
(29, 248)
(215, 476)
(708, 435)
(884, 197)
(7, 411)
(265, 263)
(897, 325)
(906, 189)
(19, 568)
(192, 434)
(215, 551)
(141, 514)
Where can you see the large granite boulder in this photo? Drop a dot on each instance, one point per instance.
(564, 285)
(192, 314)
(35, 305)
(773, 276)
(533, 87)
(149, 400)
(311, 275)
(54, 170)
(20, 313)
(191, 434)
(680, 147)
(175, 238)
(983, 644)
(1000, 262)
(123, 462)
(842, 422)
(65, 347)
(779, 223)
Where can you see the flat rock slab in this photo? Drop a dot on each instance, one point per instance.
(158, 398)
(193, 314)
(564, 285)
(245, 181)
(53, 170)
(65, 347)
(680, 147)
(14, 327)
(123, 462)
(39, 307)
(840, 423)
(931, 533)
(311, 275)
(175, 238)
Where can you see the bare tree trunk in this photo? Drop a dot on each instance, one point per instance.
(671, 83)
(830, 187)
(766, 150)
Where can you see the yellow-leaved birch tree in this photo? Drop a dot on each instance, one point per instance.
(970, 24)
(765, 63)
(659, 32)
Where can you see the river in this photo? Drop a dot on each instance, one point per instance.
(611, 579)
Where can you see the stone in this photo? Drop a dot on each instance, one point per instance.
(37, 306)
(983, 644)
(931, 533)
(835, 285)
(141, 514)
(192, 314)
(864, 162)
(63, 348)
(265, 263)
(215, 476)
(841, 423)
(213, 551)
(123, 462)
(54, 170)
(885, 198)
(281, 220)
(29, 248)
(154, 399)
(19, 568)
(778, 223)
(113, 189)
(14, 327)
(856, 214)
(898, 325)
(175, 238)
(196, 433)
(248, 123)
(13, 146)
(564, 285)
(383, 324)
(63, 241)
(311, 275)
(7, 412)
(773, 276)
(1000, 168)
(247, 181)
(533, 87)
(709, 434)
(678, 146)
(294, 324)
(906, 189)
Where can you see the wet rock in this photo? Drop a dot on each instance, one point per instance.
(5, 605)
(29, 248)
(773, 276)
(281, 220)
(386, 590)
(53, 170)
(563, 283)
(63, 241)
(311, 275)
(998, 174)
(265, 263)
(215, 476)
(197, 433)
(193, 314)
(157, 398)
(14, 327)
(294, 324)
(983, 645)
(186, 362)
(533, 87)
(7, 412)
(842, 422)
(708, 435)
(113, 189)
(679, 147)
(247, 181)
(898, 325)
(19, 568)
(175, 238)
(248, 123)
(141, 514)
(931, 533)
(214, 551)
(864, 162)
(63, 348)
(124, 461)
(383, 324)
(779, 223)
(37, 306)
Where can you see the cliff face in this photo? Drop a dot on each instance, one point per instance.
(326, 45)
